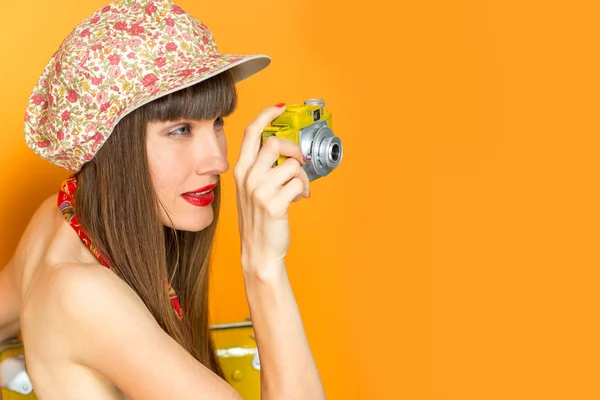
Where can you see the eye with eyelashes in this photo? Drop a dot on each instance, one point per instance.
(186, 129)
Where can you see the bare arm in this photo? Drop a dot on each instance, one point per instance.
(264, 194)
(287, 365)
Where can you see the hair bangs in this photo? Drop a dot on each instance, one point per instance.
(206, 100)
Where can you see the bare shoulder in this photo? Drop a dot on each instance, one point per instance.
(101, 323)
(50, 203)
(57, 291)
(80, 296)
(12, 275)
(38, 228)
(90, 285)
(47, 208)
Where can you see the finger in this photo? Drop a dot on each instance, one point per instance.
(288, 194)
(273, 148)
(252, 134)
(287, 171)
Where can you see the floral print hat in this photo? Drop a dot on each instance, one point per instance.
(123, 56)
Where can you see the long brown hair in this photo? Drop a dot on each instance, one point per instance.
(119, 210)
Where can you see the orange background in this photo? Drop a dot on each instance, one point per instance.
(453, 255)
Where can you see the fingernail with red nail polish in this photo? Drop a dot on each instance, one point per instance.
(280, 105)
(304, 159)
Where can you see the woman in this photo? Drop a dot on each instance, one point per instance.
(109, 283)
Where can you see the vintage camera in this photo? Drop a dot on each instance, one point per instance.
(309, 125)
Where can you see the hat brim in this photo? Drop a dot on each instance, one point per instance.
(242, 66)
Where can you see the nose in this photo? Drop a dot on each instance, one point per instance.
(211, 151)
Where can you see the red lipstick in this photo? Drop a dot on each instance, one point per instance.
(200, 197)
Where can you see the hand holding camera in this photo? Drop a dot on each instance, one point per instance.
(282, 151)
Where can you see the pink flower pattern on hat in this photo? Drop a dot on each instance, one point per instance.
(121, 57)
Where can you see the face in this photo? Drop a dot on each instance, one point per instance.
(185, 159)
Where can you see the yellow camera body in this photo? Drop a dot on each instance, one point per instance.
(310, 126)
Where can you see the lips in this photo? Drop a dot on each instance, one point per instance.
(200, 197)
(201, 190)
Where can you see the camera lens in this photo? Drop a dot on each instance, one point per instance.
(335, 152)
(327, 152)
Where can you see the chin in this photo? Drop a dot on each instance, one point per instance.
(191, 221)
